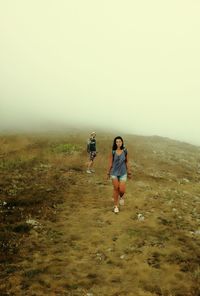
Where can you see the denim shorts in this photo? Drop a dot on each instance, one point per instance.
(120, 178)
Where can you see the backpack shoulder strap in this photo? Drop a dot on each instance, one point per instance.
(88, 145)
(125, 152)
(113, 154)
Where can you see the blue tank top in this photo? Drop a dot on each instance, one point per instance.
(119, 164)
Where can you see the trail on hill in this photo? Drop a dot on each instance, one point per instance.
(89, 250)
(75, 255)
(150, 248)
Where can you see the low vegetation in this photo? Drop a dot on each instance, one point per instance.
(59, 235)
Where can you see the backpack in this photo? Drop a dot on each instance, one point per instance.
(88, 146)
(91, 143)
(125, 152)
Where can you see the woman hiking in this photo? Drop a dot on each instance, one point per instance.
(118, 170)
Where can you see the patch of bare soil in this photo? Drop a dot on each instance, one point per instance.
(59, 235)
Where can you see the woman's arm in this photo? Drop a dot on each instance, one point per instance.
(128, 166)
(110, 164)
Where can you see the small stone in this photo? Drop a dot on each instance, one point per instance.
(197, 232)
(140, 217)
(32, 222)
(109, 249)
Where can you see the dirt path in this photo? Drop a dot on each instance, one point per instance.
(79, 253)
(89, 250)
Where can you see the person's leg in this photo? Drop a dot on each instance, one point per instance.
(91, 165)
(122, 188)
(115, 191)
(90, 162)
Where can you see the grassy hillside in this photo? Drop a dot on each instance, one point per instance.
(59, 235)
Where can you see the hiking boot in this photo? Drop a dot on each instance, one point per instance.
(89, 172)
(116, 210)
(121, 201)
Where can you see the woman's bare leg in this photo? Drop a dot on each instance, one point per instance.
(122, 188)
(90, 163)
(116, 191)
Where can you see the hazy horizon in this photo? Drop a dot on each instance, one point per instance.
(128, 66)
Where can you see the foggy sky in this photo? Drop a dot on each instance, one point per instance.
(128, 65)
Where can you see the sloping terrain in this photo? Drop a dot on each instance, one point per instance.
(59, 235)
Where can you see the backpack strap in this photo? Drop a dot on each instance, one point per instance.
(113, 154)
(125, 152)
(88, 145)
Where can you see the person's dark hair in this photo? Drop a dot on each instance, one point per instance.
(114, 147)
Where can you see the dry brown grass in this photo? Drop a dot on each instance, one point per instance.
(79, 246)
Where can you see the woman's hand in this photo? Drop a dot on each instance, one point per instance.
(108, 176)
(129, 175)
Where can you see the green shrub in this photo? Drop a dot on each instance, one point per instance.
(66, 148)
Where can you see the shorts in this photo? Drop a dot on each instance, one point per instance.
(120, 178)
(92, 155)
